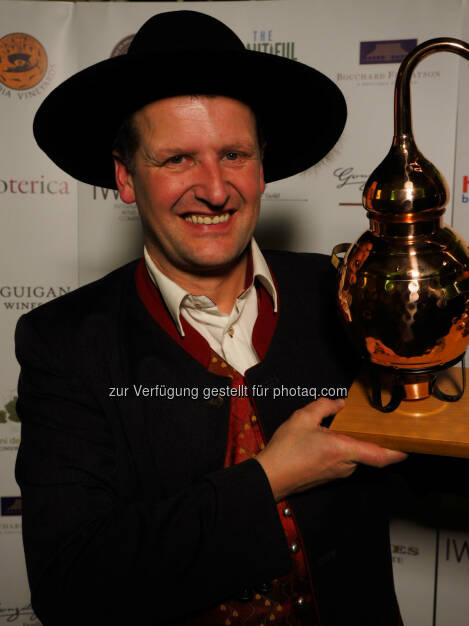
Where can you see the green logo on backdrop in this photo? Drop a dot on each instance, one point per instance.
(9, 413)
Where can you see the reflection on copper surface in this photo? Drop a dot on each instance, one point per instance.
(407, 304)
(416, 390)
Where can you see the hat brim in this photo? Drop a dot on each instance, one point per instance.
(302, 112)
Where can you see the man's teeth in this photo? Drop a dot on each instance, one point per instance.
(216, 219)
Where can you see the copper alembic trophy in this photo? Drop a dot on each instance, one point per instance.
(404, 284)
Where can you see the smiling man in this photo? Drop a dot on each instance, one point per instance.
(216, 498)
(197, 179)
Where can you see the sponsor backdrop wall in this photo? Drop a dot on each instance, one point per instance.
(57, 234)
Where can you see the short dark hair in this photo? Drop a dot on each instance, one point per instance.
(126, 143)
(127, 140)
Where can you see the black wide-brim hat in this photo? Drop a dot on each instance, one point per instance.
(302, 112)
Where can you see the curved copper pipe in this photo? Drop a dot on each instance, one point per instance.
(402, 112)
(405, 182)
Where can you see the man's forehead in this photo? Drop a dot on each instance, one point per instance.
(178, 106)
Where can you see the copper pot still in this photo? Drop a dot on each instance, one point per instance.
(404, 284)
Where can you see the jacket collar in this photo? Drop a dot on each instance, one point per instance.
(174, 295)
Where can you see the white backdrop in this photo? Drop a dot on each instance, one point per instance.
(57, 234)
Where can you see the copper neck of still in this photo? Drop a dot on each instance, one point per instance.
(406, 194)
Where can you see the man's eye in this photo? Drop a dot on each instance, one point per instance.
(176, 159)
(232, 156)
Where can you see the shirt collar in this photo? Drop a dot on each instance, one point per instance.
(261, 270)
(173, 295)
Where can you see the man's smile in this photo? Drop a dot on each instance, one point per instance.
(197, 218)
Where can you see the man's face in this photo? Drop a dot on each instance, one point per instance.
(197, 181)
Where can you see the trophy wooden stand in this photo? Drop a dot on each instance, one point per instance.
(428, 426)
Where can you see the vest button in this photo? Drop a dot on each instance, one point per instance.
(300, 602)
(271, 381)
(264, 588)
(245, 595)
(287, 512)
(294, 548)
(215, 401)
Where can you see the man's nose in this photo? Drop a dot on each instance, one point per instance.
(212, 188)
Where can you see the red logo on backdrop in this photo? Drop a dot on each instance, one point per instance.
(465, 189)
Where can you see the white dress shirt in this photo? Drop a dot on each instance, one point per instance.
(230, 335)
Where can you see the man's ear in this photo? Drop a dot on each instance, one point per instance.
(261, 172)
(261, 178)
(124, 181)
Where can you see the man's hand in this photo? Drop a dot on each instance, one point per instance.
(304, 454)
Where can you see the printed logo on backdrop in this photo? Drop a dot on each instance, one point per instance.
(24, 67)
(125, 212)
(23, 61)
(350, 182)
(10, 505)
(27, 297)
(465, 189)
(390, 51)
(10, 614)
(36, 186)
(10, 509)
(399, 551)
(8, 413)
(9, 427)
(457, 550)
(264, 41)
(122, 46)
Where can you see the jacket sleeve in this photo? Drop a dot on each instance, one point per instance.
(101, 553)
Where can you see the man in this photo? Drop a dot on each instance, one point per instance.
(170, 505)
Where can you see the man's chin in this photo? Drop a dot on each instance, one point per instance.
(212, 264)
(215, 267)
(202, 261)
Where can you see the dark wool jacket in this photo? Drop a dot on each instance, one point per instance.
(127, 514)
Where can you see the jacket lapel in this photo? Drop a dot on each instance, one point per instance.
(169, 412)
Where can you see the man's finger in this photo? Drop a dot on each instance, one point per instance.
(372, 454)
(316, 411)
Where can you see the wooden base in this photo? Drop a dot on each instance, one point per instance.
(427, 426)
